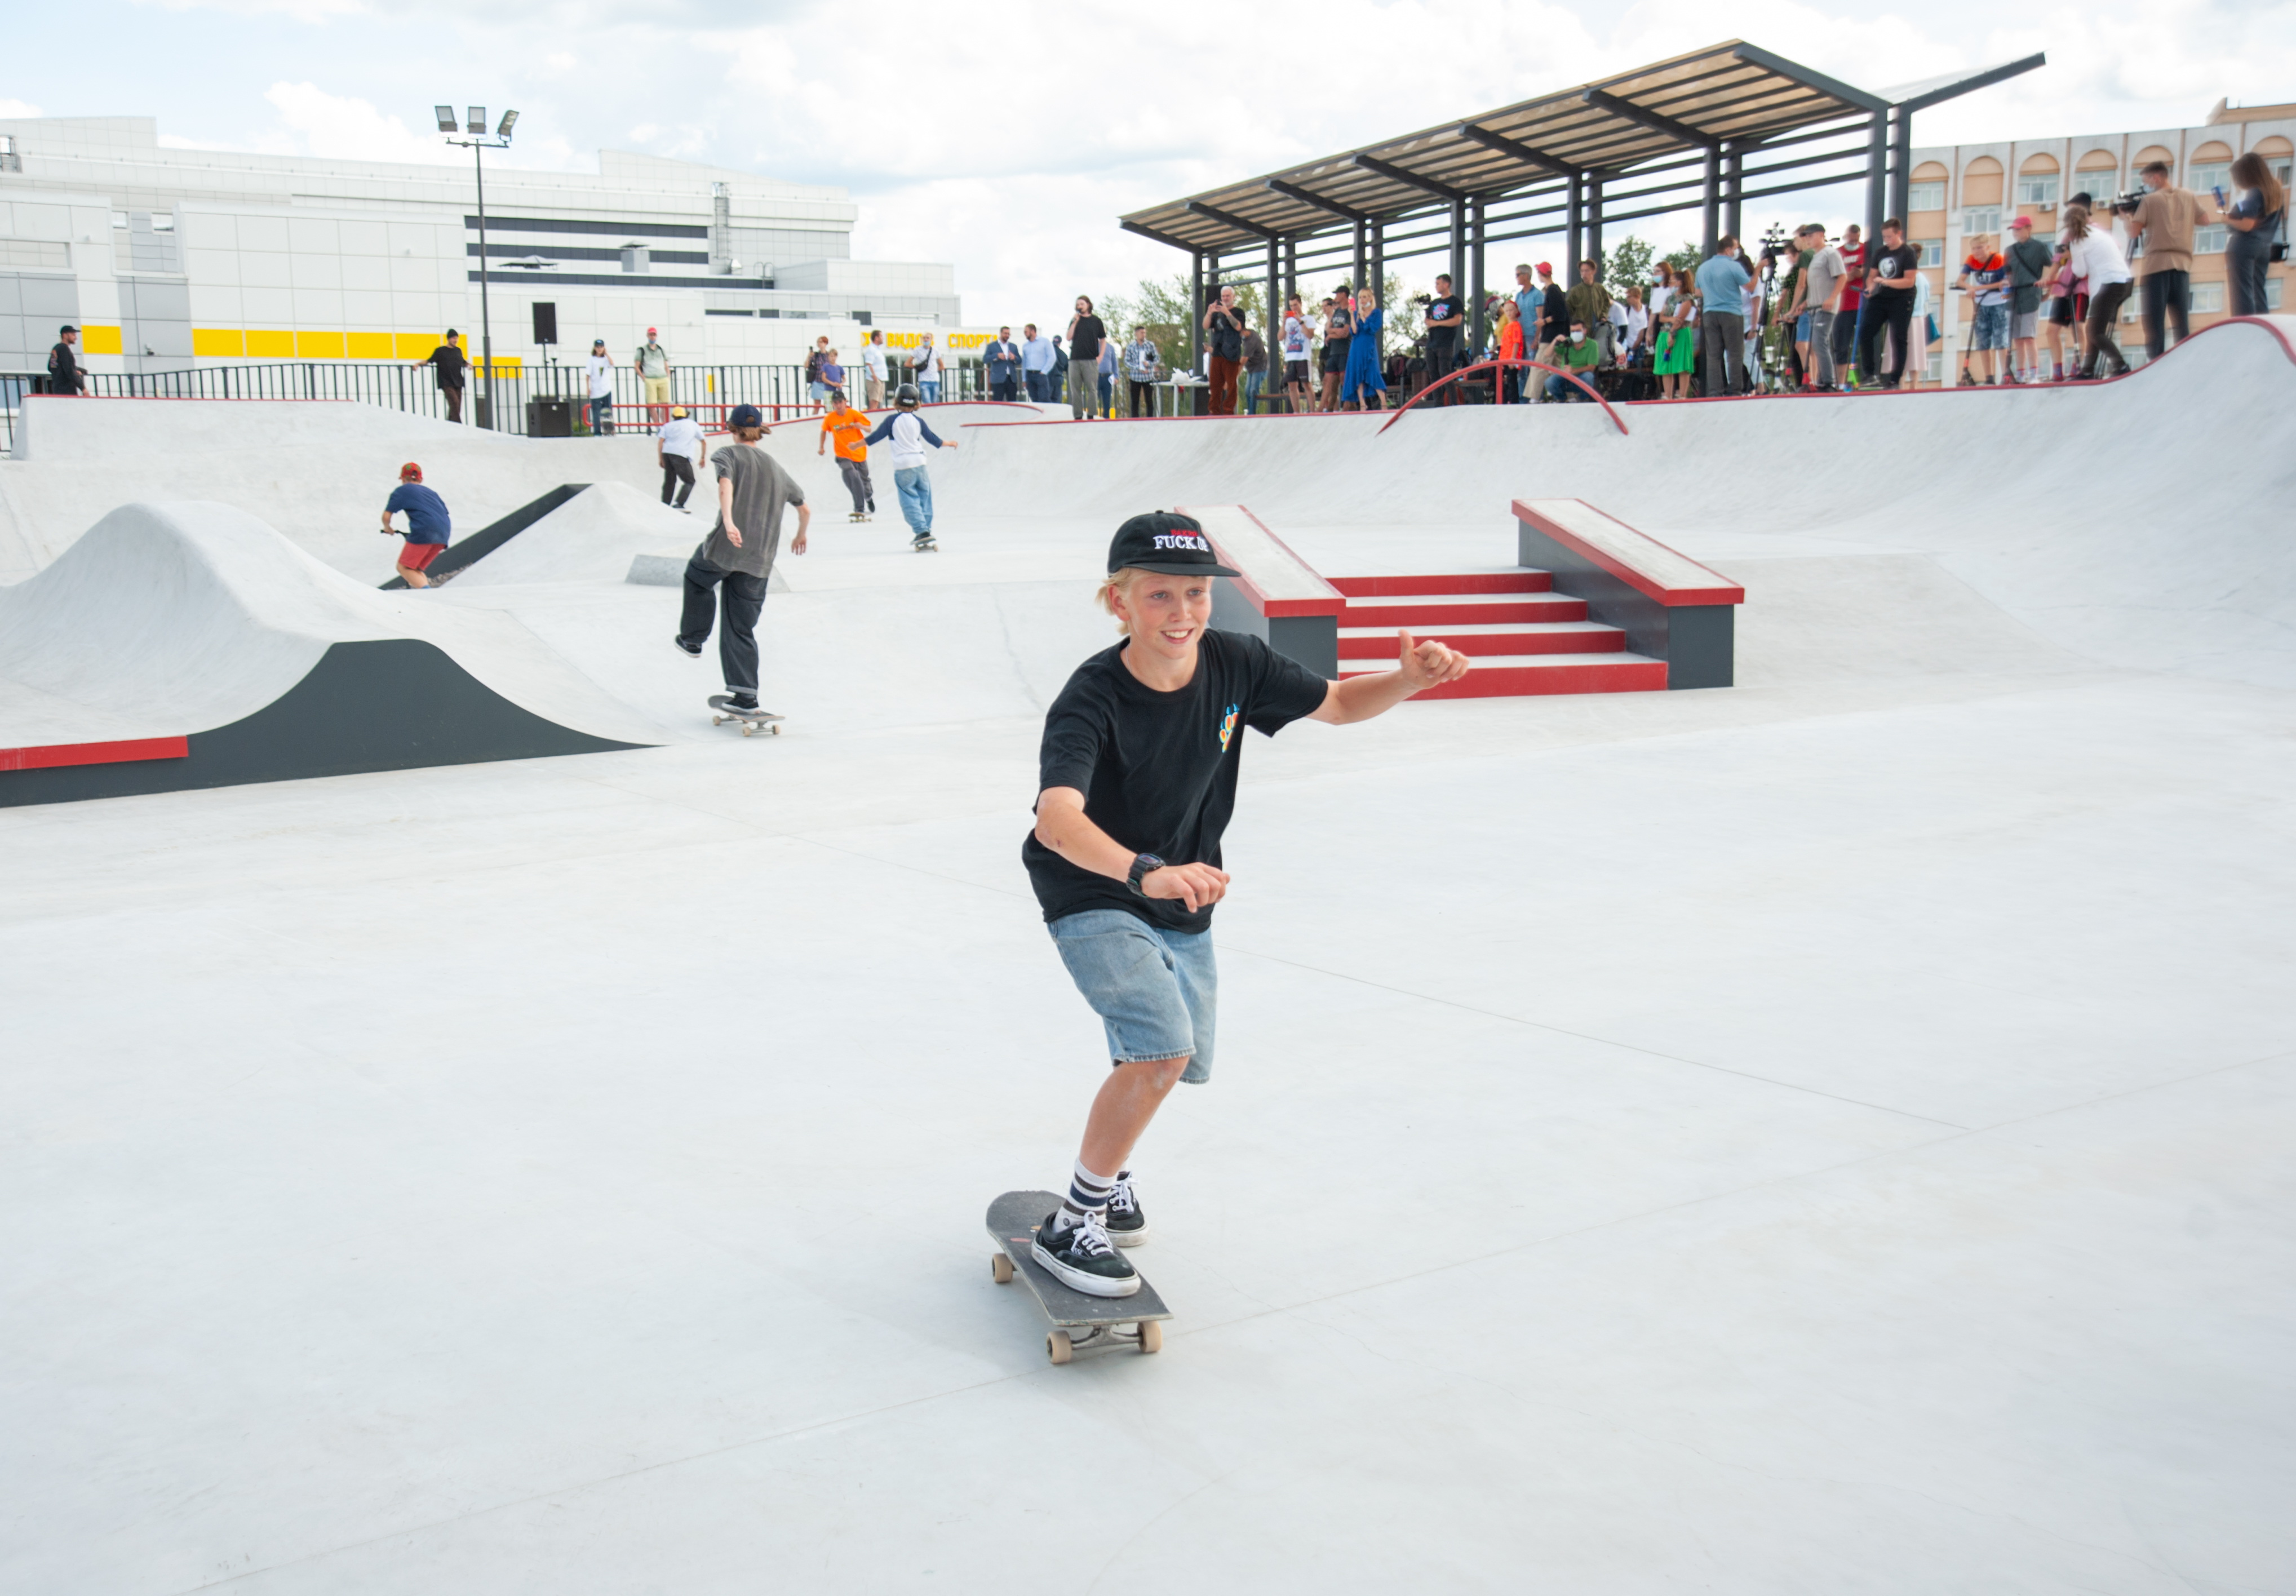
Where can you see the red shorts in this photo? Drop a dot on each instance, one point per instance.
(417, 556)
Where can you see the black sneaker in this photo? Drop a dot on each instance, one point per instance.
(1083, 1259)
(692, 651)
(747, 703)
(1127, 1226)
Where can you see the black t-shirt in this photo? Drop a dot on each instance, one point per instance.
(1442, 321)
(1085, 344)
(450, 362)
(63, 369)
(1896, 263)
(1158, 769)
(1557, 311)
(1226, 332)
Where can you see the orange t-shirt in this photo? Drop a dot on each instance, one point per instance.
(847, 428)
(1511, 340)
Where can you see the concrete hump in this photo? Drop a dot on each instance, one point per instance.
(197, 621)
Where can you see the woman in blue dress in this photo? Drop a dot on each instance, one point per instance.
(1362, 386)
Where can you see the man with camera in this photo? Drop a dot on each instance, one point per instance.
(1443, 316)
(2163, 220)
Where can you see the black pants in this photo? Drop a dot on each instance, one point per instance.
(1144, 398)
(1846, 323)
(1441, 356)
(2103, 312)
(1002, 387)
(743, 601)
(2247, 265)
(2170, 292)
(1886, 310)
(676, 471)
(855, 473)
(454, 402)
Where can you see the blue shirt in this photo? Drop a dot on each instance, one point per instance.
(1037, 355)
(426, 513)
(1721, 283)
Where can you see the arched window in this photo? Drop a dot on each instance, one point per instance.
(2097, 174)
(2036, 182)
(1926, 190)
(2211, 168)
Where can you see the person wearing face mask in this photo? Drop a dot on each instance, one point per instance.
(1722, 282)
(1577, 353)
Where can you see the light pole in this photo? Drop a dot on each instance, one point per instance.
(480, 142)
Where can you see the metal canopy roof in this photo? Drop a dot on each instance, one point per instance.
(1732, 93)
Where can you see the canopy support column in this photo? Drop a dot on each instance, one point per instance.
(1196, 308)
(1475, 275)
(1713, 198)
(1573, 223)
(1734, 188)
(1896, 188)
(1594, 223)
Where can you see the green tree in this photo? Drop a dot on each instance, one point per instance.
(1684, 260)
(1627, 266)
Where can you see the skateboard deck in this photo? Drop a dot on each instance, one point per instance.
(751, 721)
(1081, 1322)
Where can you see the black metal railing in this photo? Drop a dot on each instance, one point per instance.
(780, 389)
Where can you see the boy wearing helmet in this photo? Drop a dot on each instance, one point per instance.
(428, 527)
(677, 445)
(753, 494)
(1137, 779)
(905, 430)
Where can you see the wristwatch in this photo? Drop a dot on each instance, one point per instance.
(1142, 863)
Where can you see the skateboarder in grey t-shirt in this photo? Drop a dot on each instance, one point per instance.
(753, 492)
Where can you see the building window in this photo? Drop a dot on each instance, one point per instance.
(1925, 196)
(2215, 174)
(119, 218)
(2209, 240)
(2040, 190)
(2098, 185)
(2280, 170)
(1932, 251)
(2208, 298)
(1980, 218)
(163, 221)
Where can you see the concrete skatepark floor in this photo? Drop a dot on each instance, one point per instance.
(1826, 1135)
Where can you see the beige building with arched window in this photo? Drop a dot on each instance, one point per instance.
(1959, 192)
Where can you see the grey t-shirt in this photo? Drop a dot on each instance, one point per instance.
(762, 492)
(1822, 271)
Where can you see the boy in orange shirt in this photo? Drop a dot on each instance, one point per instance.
(848, 428)
(1509, 386)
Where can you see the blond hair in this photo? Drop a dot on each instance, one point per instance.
(1114, 583)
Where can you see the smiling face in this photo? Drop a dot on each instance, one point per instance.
(1164, 616)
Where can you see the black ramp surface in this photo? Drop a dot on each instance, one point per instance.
(390, 704)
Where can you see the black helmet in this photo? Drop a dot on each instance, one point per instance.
(906, 396)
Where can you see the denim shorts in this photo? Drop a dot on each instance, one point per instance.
(1992, 327)
(1156, 992)
(1801, 328)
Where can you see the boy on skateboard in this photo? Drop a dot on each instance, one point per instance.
(849, 429)
(1136, 780)
(905, 431)
(753, 493)
(428, 527)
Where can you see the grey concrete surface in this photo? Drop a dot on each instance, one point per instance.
(1825, 1135)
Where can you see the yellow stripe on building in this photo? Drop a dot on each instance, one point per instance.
(99, 341)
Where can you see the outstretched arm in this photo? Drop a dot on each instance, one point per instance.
(1063, 827)
(1420, 666)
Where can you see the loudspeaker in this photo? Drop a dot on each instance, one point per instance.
(545, 323)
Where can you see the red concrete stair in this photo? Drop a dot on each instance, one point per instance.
(1525, 638)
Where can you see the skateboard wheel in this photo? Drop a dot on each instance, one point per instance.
(1059, 1347)
(1000, 1269)
(1152, 1334)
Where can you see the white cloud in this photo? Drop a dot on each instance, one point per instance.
(312, 121)
(18, 108)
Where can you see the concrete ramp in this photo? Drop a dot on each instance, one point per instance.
(197, 624)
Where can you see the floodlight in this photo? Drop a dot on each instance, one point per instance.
(503, 127)
(478, 122)
(447, 123)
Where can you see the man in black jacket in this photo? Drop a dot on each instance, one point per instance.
(63, 363)
(448, 360)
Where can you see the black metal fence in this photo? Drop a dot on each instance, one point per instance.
(780, 389)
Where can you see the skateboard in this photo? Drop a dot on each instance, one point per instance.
(1080, 1324)
(922, 545)
(751, 721)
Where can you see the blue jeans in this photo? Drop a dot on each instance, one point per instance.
(1562, 390)
(599, 407)
(929, 391)
(1156, 992)
(915, 485)
(1992, 327)
(1252, 382)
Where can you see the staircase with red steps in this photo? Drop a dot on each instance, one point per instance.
(1524, 637)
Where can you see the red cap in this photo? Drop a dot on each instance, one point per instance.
(1544, 270)
(2025, 222)
(410, 470)
(650, 332)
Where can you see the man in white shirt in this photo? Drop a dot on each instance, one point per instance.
(601, 389)
(873, 367)
(677, 450)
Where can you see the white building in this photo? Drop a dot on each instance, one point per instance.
(169, 257)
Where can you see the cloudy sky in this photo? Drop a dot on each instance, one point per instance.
(1008, 138)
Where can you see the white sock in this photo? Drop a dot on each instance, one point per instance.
(1088, 1197)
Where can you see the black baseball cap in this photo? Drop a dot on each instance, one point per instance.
(1167, 543)
(746, 416)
